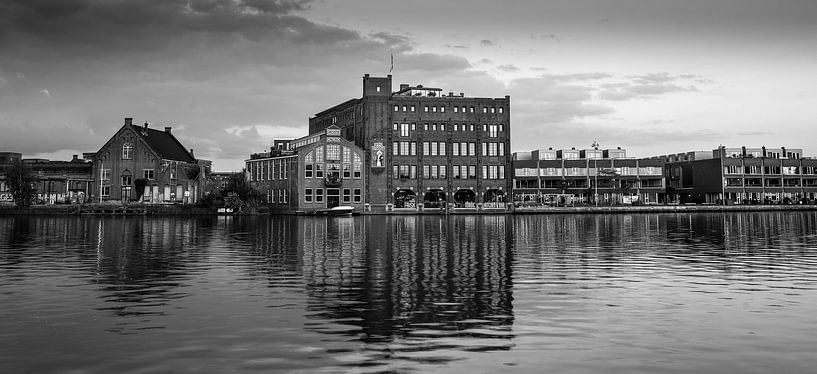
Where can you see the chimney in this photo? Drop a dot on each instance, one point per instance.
(74, 158)
(128, 121)
(146, 125)
(167, 129)
(462, 94)
(191, 152)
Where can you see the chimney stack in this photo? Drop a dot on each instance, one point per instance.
(128, 121)
(191, 152)
(167, 129)
(146, 125)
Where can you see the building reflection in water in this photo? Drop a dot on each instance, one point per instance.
(406, 284)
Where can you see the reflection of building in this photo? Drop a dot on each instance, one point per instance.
(569, 176)
(313, 173)
(57, 181)
(407, 276)
(425, 147)
(742, 176)
(142, 164)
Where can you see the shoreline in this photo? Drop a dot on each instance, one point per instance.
(183, 210)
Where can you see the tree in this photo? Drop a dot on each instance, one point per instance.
(240, 192)
(20, 182)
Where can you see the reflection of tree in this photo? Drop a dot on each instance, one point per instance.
(414, 282)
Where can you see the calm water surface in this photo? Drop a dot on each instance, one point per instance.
(649, 293)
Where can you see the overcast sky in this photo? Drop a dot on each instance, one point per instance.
(652, 76)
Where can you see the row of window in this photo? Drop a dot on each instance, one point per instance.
(772, 170)
(346, 170)
(767, 182)
(405, 129)
(405, 148)
(582, 183)
(279, 194)
(268, 170)
(441, 109)
(148, 174)
(316, 195)
(576, 171)
(440, 172)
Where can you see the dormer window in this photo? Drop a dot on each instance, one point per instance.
(127, 151)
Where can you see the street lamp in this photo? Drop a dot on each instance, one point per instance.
(595, 146)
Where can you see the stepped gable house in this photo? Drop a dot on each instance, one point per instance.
(142, 164)
(425, 148)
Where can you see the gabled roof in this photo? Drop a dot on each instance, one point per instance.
(164, 143)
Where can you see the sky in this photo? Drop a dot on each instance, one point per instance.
(651, 76)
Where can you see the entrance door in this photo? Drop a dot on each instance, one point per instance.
(332, 197)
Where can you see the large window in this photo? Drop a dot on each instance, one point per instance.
(357, 166)
(319, 195)
(333, 152)
(308, 195)
(357, 195)
(127, 151)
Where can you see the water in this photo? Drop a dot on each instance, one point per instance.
(642, 293)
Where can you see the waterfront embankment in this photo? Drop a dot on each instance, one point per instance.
(188, 210)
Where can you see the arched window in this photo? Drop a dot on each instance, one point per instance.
(127, 151)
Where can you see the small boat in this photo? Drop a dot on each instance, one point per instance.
(343, 210)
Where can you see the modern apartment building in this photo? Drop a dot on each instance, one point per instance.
(425, 148)
(742, 175)
(587, 176)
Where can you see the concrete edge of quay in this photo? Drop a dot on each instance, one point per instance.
(185, 210)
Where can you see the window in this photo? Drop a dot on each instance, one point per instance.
(442, 149)
(396, 108)
(357, 166)
(501, 110)
(347, 171)
(456, 127)
(404, 108)
(127, 180)
(442, 172)
(472, 109)
(106, 190)
(319, 195)
(412, 108)
(425, 172)
(308, 195)
(378, 88)
(425, 108)
(472, 149)
(426, 148)
(147, 174)
(404, 148)
(127, 151)
(425, 127)
(333, 152)
(493, 109)
(308, 170)
(434, 148)
(455, 149)
(395, 148)
(357, 195)
(492, 130)
(318, 170)
(455, 172)
(456, 109)
(347, 195)
(442, 109)
(394, 126)
(404, 129)
(106, 174)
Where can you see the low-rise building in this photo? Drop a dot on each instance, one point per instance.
(57, 182)
(310, 174)
(742, 175)
(586, 176)
(139, 163)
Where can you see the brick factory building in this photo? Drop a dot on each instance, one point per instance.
(310, 174)
(587, 176)
(57, 182)
(424, 148)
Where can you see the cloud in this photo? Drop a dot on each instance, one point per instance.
(650, 86)
(203, 66)
(508, 68)
(486, 43)
(45, 92)
(456, 46)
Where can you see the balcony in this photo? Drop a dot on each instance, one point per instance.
(333, 180)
